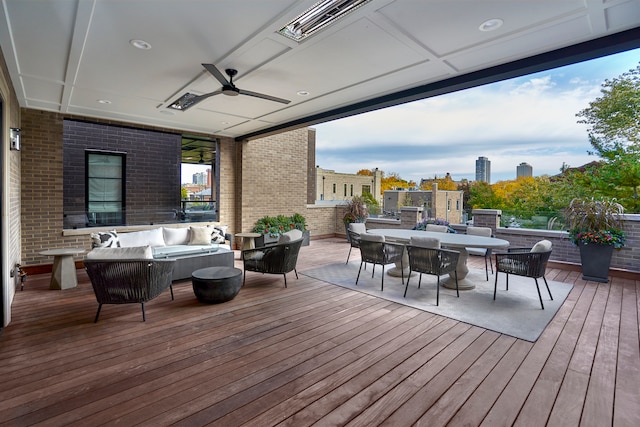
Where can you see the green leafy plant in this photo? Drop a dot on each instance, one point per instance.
(275, 226)
(595, 221)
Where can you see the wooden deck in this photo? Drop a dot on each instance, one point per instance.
(314, 354)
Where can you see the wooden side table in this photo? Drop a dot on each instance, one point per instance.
(248, 240)
(63, 273)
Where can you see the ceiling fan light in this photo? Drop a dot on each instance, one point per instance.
(229, 91)
(320, 15)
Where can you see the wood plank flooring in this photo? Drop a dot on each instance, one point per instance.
(314, 354)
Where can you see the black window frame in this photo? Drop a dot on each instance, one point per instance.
(123, 187)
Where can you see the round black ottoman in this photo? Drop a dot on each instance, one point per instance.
(216, 284)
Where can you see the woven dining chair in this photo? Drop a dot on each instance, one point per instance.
(375, 250)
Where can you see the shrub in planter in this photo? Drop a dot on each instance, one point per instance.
(595, 227)
(271, 227)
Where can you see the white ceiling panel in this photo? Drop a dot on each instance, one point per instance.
(64, 55)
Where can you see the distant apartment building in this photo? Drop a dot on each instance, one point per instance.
(483, 169)
(332, 185)
(199, 178)
(443, 204)
(523, 170)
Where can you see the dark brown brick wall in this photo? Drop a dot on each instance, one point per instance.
(152, 167)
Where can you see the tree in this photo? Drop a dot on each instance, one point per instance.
(393, 181)
(614, 134)
(365, 172)
(481, 196)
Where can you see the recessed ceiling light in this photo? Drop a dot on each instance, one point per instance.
(167, 112)
(224, 123)
(491, 24)
(303, 93)
(104, 101)
(140, 44)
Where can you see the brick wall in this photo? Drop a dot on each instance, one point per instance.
(152, 168)
(274, 177)
(11, 168)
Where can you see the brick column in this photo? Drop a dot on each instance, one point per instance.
(487, 218)
(410, 216)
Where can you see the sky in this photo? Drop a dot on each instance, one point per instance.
(528, 119)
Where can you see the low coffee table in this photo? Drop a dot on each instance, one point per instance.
(214, 285)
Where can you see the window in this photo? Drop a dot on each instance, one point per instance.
(105, 198)
(448, 205)
(457, 205)
(334, 188)
(366, 189)
(351, 190)
(345, 190)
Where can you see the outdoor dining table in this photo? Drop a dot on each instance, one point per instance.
(455, 241)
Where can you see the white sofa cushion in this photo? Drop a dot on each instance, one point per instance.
(175, 236)
(139, 252)
(151, 238)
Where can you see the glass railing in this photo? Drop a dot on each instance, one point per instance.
(188, 211)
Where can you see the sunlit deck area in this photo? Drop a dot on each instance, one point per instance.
(314, 354)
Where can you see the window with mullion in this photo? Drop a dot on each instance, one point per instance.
(105, 190)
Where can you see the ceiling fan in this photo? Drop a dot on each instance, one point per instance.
(228, 88)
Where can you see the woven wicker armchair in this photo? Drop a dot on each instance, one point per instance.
(523, 262)
(277, 259)
(375, 250)
(433, 261)
(128, 281)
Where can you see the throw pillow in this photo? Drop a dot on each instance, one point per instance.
(290, 236)
(140, 252)
(105, 239)
(134, 239)
(541, 246)
(176, 236)
(217, 236)
(200, 235)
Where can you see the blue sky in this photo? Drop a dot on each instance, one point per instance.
(528, 119)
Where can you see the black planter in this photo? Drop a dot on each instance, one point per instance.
(596, 260)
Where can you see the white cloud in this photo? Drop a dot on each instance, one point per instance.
(530, 119)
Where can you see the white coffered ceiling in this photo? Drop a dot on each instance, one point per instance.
(67, 55)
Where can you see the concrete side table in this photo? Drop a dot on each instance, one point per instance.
(214, 285)
(248, 240)
(63, 273)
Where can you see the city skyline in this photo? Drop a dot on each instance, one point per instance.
(529, 119)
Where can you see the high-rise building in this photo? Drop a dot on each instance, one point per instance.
(524, 169)
(483, 169)
(200, 178)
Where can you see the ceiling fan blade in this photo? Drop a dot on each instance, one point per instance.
(216, 73)
(263, 96)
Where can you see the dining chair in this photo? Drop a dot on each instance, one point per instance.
(525, 262)
(354, 230)
(434, 261)
(437, 228)
(375, 250)
(483, 252)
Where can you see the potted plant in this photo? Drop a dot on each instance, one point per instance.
(356, 212)
(271, 227)
(422, 225)
(595, 226)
